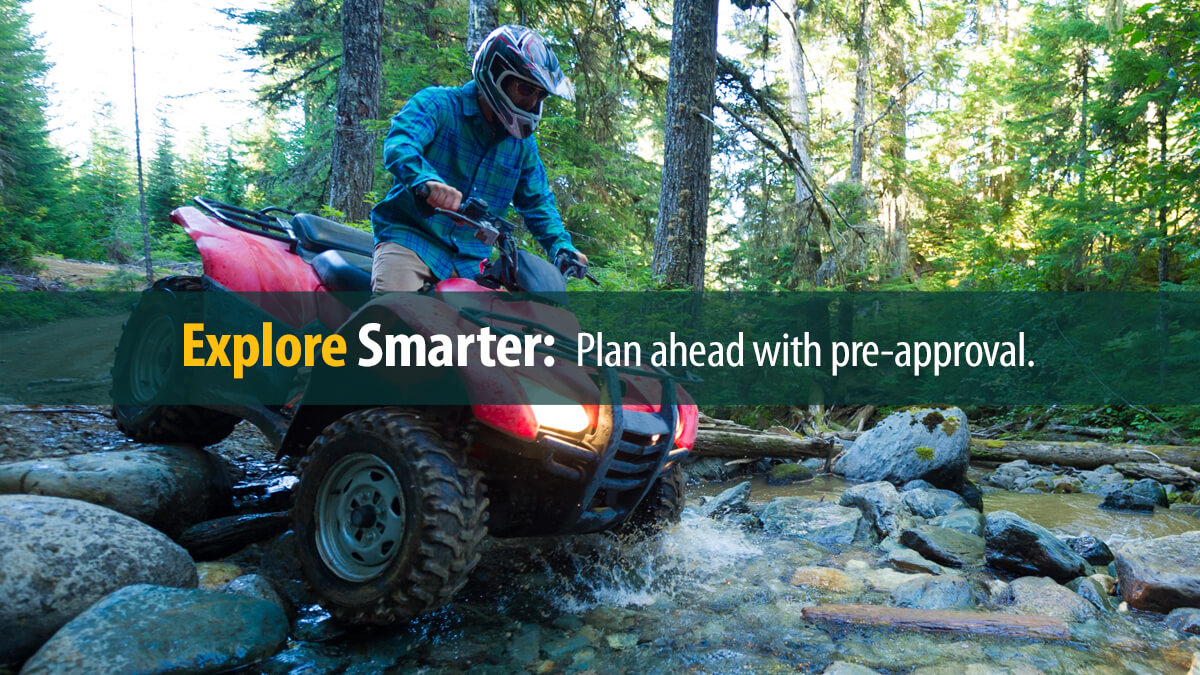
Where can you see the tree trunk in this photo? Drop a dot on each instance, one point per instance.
(808, 250)
(482, 18)
(862, 46)
(895, 146)
(1083, 455)
(1164, 269)
(360, 80)
(682, 229)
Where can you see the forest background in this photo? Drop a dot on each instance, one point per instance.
(850, 144)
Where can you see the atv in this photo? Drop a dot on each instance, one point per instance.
(395, 493)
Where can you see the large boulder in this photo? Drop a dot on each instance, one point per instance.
(934, 593)
(881, 505)
(153, 629)
(58, 556)
(1142, 495)
(1161, 574)
(1044, 597)
(733, 500)
(821, 522)
(930, 444)
(945, 546)
(969, 521)
(169, 487)
(1017, 545)
(1090, 549)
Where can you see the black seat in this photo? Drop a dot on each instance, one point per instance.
(343, 271)
(317, 234)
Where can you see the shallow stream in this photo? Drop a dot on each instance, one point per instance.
(708, 598)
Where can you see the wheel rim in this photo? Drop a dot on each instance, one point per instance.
(152, 361)
(360, 515)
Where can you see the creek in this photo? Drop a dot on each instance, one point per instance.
(706, 597)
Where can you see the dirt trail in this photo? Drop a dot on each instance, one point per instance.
(75, 272)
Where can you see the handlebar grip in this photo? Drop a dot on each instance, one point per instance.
(421, 191)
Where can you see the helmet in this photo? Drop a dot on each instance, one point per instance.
(516, 51)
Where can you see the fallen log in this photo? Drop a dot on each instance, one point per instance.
(218, 538)
(943, 620)
(724, 443)
(1168, 474)
(1082, 455)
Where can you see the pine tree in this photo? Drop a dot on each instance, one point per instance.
(164, 189)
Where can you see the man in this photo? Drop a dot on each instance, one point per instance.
(470, 141)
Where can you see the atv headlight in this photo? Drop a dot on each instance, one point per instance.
(566, 416)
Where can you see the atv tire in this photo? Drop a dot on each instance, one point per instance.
(662, 507)
(149, 364)
(387, 517)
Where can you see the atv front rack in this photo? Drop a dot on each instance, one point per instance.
(613, 479)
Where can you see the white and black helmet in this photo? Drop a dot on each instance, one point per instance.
(516, 51)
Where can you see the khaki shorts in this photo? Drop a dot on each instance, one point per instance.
(395, 268)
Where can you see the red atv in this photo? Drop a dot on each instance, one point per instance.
(390, 507)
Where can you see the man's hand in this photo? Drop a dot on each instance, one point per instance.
(442, 196)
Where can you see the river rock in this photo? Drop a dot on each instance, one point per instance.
(965, 520)
(972, 495)
(144, 629)
(734, 500)
(258, 586)
(814, 465)
(1161, 574)
(932, 503)
(788, 473)
(1043, 596)
(825, 579)
(917, 485)
(952, 592)
(821, 522)
(168, 487)
(944, 546)
(881, 505)
(1090, 549)
(888, 580)
(704, 469)
(1006, 475)
(1185, 620)
(1192, 510)
(1142, 495)
(929, 444)
(58, 556)
(1093, 591)
(907, 560)
(1018, 545)
(847, 668)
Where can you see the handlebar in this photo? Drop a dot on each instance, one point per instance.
(474, 212)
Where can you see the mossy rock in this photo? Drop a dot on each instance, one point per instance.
(785, 474)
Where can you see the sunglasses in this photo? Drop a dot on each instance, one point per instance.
(527, 89)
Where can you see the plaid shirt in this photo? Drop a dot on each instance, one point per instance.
(442, 135)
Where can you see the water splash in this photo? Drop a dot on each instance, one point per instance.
(625, 571)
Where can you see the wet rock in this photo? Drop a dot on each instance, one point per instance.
(825, 579)
(212, 575)
(847, 668)
(1090, 549)
(972, 495)
(907, 560)
(968, 521)
(1006, 475)
(1185, 620)
(307, 659)
(788, 473)
(887, 580)
(177, 631)
(814, 465)
(881, 505)
(1043, 596)
(1106, 582)
(558, 650)
(734, 500)
(707, 469)
(1142, 495)
(168, 487)
(944, 546)
(260, 587)
(1018, 545)
(825, 523)
(1161, 574)
(935, 593)
(524, 648)
(746, 522)
(58, 556)
(619, 641)
(917, 485)
(1192, 510)
(1093, 591)
(1066, 486)
(932, 503)
(928, 444)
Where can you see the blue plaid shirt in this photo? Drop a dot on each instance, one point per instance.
(442, 135)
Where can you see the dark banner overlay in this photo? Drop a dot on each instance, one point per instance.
(221, 348)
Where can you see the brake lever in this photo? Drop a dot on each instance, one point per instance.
(571, 268)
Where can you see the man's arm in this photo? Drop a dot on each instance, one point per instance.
(413, 129)
(535, 202)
